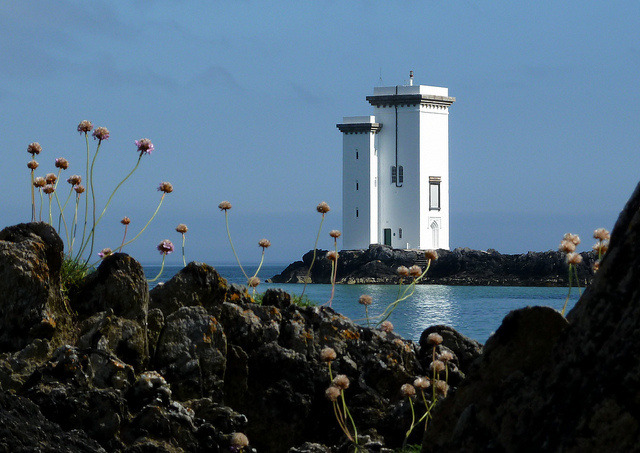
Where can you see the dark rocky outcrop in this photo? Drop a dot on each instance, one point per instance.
(187, 365)
(463, 266)
(544, 384)
(193, 363)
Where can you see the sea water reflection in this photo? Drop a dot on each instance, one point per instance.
(475, 311)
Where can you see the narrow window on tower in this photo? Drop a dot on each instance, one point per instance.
(399, 233)
(394, 175)
(357, 185)
(434, 193)
(400, 174)
(356, 212)
(356, 154)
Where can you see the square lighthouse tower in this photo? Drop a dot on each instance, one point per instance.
(395, 182)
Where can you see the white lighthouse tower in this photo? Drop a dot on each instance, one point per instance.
(396, 170)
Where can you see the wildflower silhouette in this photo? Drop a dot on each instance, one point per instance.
(333, 257)
(255, 281)
(165, 188)
(568, 246)
(125, 221)
(165, 247)
(601, 246)
(366, 300)
(414, 271)
(322, 208)
(225, 206)
(34, 149)
(182, 229)
(334, 393)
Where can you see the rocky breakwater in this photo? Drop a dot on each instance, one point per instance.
(195, 365)
(463, 266)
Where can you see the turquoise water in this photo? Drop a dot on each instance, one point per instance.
(475, 311)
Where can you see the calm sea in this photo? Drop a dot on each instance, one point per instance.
(475, 311)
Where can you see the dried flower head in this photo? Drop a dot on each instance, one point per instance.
(437, 366)
(365, 299)
(386, 326)
(431, 255)
(51, 178)
(434, 339)
(601, 234)
(85, 126)
(403, 271)
(323, 208)
(415, 271)
(601, 247)
(79, 189)
(341, 381)
(182, 228)
(39, 181)
(239, 440)
(125, 220)
(105, 252)
(332, 255)
(101, 133)
(332, 393)
(32, 164)
(224, 206)
(165, 247)
(49, 189)
(572, 238)
(34, 148)
(446, 356)
(62, 163)
(144, 146)
(408, 390)
(264, 243)
(567, 246)
(596, 266)
(165, 187)
(335, 234)
(574, 258)
(442, 388)
(74, 180)
(422, 383)
(328, 354)
(253, 282)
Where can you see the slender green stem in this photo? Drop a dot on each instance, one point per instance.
(116, 189)
(41, 203)
(184, 261)
(259, 265)
(33, 199)
(564, 307)
(66, 231)
(348, 413)
(93, 200)
(145, 227)
(75, 225)
(413, 424)
(315, 248)
(226, 217)
(50, 218)
(123, 237)
(161, 269)
(86, 202)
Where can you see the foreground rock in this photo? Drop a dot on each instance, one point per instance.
(546, 385)
(189, 365)
(379, 264)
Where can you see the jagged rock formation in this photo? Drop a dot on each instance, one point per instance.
(544, 384)
(379, 264)
(186, 366)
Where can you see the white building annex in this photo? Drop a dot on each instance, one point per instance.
(395, 181)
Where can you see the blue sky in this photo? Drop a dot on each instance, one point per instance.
(241, 100)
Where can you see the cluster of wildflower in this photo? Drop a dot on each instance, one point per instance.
(439, 387)
(568, 247)
(335, 394)
(253, 281)
(601, 246)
